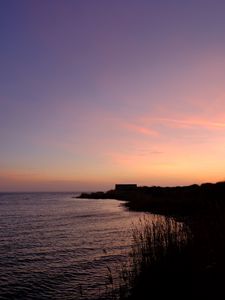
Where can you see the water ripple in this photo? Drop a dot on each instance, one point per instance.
(54, 247)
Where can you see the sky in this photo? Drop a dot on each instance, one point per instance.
(94, 93)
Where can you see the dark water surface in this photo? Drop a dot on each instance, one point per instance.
(53, 246)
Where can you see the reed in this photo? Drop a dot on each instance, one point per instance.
(158, 257)
(178, 260)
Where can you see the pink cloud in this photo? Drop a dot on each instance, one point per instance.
(196, 123)
(140, 129)
(186, 122)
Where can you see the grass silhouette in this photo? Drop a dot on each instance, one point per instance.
(181, 257)
(158, 260)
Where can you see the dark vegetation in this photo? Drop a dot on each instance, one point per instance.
(174, 201)
(177, 260)
(159, 266)
(182, 257)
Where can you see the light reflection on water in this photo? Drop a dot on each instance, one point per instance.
(51, 244)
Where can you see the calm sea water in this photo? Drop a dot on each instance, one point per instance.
(53, 246)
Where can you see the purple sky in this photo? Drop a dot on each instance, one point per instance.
(98, 92)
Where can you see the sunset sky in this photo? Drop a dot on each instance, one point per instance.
(94, 93)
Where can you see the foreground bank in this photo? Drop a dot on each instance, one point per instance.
(190, 270)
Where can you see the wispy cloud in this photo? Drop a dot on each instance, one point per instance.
(186, 123)
(143, 130)
(203, 123)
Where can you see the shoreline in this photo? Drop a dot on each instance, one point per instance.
(179, 201)
(202, 209)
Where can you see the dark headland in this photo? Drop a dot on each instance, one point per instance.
(195, 270)
(175, 201)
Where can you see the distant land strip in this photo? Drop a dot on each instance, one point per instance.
(175, 201)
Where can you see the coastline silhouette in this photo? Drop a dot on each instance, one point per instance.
(191, 271)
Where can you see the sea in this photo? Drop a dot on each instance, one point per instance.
(55, 246)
